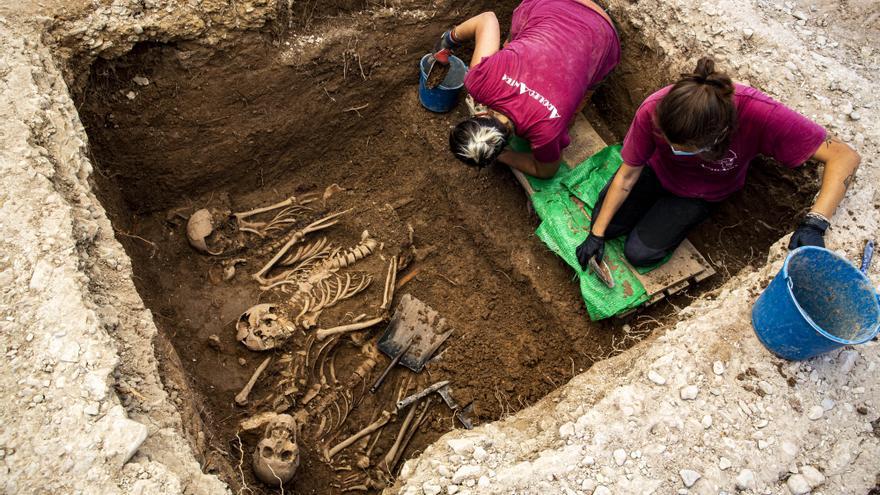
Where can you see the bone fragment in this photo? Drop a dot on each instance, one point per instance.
(390, 280)
(410, 433)
(242, 397)
(392, 452)
(257, 421)
(375, 425)
(323, 333)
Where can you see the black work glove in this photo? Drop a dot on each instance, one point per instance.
(593, 246)
(444, 46)
(810, 232)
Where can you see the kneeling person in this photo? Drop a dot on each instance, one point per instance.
(689, 147)
(557, 52)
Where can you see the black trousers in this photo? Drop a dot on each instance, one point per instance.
(655, 219)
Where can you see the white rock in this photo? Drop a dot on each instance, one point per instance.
(765, 387)
(131, 95)
(470, 483)
(588, 460)
(707, 421)
(566, 430)
(798, 485)
(601, 490)
(827, 404)
(689, 392)
(443, 471)
(689, 477)
(588, 486)
(483, 482)
(122, 437)
(141, 81)
(724, 464)
(452, 489)
(461, 446)
(816, 412)
(748, 33)
(464, 473)
(619, 457)
(431, 489)
(718, 368)
(848, 361)
(479, 453)
(813, 476)
(745, 480)
(656, 378)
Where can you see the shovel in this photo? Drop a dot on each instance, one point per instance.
(413, 335)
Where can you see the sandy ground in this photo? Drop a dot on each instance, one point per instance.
(703, 408)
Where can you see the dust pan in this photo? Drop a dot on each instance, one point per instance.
(414, 333)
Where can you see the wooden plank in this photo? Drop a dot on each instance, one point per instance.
(685, 264)
(585, 142)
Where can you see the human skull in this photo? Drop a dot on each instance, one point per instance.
(277, 455)
(210, 225)
(261, 328)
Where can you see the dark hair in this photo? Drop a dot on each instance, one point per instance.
(699, 110)
(478, 141)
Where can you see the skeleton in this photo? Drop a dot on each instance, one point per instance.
(261, 328)
(277, 455)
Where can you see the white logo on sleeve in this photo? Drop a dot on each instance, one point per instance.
(523, 89)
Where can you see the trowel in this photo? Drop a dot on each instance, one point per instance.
(602, 272)
(413, 335)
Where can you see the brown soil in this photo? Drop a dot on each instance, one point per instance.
(250, 123)
(437, 75)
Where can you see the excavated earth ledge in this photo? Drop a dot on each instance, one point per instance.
(702, 408)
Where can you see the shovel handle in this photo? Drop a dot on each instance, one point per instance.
(393, 362)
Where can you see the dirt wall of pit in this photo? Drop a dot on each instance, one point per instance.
(83, 405)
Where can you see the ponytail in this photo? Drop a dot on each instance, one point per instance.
(699, 110)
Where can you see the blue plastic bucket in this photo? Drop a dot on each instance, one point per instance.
(817, 302)
(442, 98)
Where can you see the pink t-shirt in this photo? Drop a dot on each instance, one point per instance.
(764, 126)
(558, 50)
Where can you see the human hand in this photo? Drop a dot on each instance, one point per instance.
(809, 232)
(444, 46)
(593, 246)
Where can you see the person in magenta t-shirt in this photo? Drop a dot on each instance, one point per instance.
(558, 50)
(689, 147)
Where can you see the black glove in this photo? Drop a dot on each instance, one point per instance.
(444, 46)
(593, 246)
(809, 232)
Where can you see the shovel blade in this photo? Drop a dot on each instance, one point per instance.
(416, 325)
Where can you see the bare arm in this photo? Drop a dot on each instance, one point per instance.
(841, 163)
(485, 32)
(621, 185)
(526, 163)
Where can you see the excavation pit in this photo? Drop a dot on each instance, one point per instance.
(175, 127)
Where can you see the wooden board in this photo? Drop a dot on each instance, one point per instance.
(686, 266)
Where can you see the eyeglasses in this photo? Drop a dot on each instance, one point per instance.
(676, 152)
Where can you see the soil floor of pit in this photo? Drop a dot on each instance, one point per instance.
(239, 126)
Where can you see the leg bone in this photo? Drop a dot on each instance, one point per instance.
(242, 397)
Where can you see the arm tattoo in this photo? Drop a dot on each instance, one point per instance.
(832, 139)
(848, 180)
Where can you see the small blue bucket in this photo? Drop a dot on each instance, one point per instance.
(442, 98)
(818, 302)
